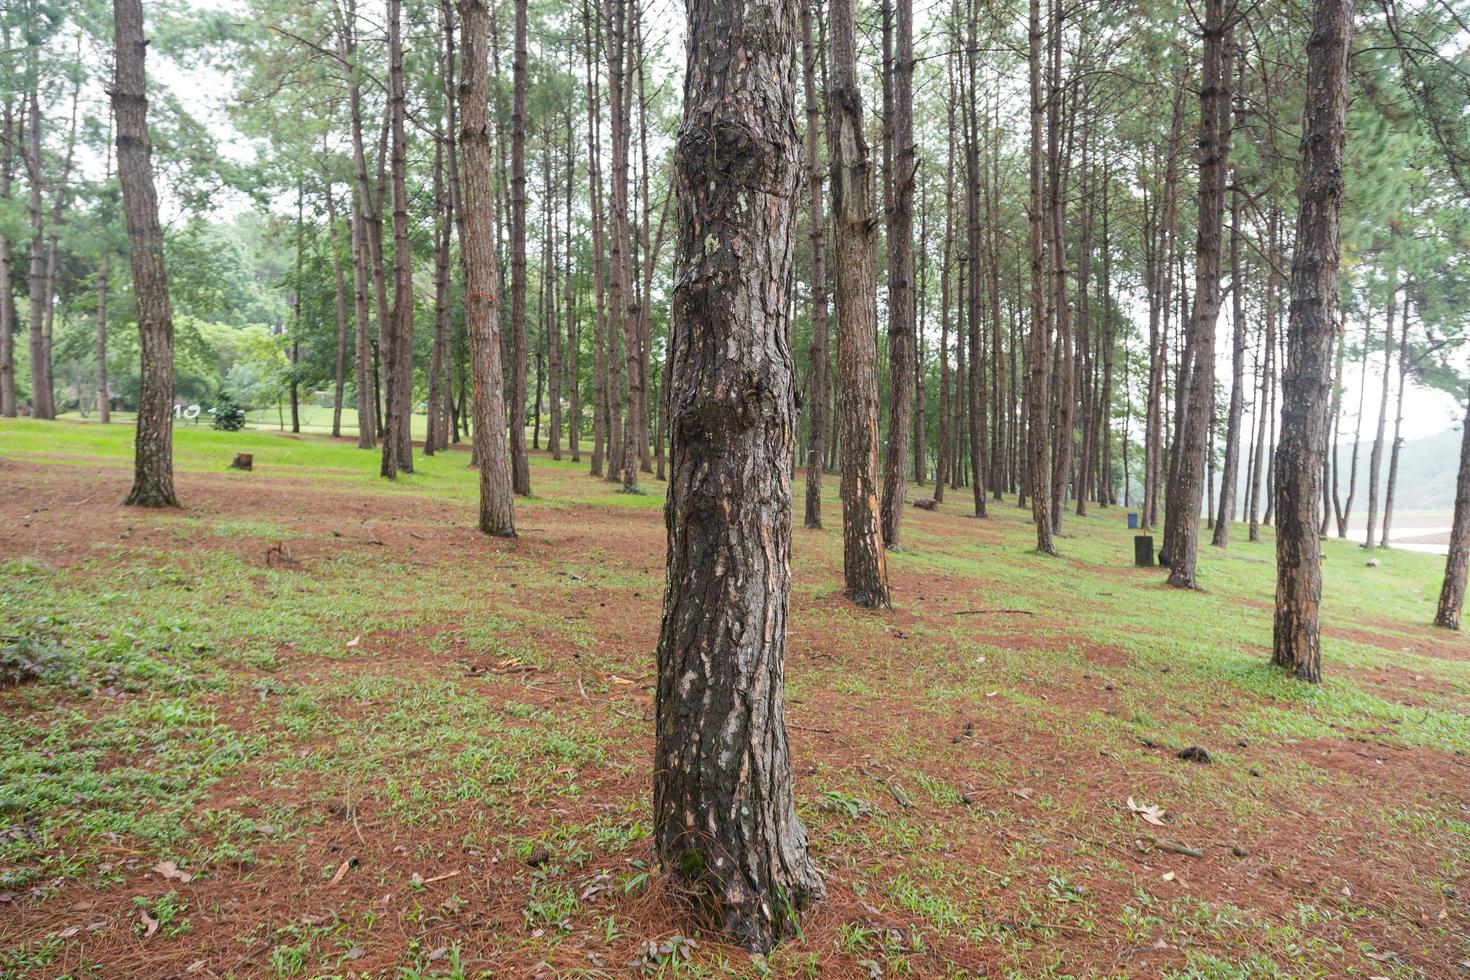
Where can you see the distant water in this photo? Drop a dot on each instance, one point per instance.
(1423, 531)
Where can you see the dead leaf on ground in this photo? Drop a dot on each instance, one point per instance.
(150, 924)
(171, 871)
(354, 641)
(1150, 813)
(1024, 792)
(341, 872)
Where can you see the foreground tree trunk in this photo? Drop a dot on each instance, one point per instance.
(482, 279)
(1308, 375)
(865, 570)
(153, 467)
(1452, 594)
(724, 819)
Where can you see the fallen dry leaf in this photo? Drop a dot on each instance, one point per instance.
(1167, 876)
(1148, 812)
(341, 871)
(171, 871)
(354, 641)
(150, 924)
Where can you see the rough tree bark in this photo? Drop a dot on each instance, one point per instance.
(153, 468)
(1297, 639)
(482, 279)
(591, 42)
(901, 340)
(367, 417)
(520, 466)
(1214, 153)
(865, 570)
(975, 381)
(1038, 357)
(8, 407)
(41, 407)
(817, 230)
(724, 819)
(623, 319)
(397, 358)
(1452, 594)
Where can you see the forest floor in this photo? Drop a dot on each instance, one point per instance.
(315, 725)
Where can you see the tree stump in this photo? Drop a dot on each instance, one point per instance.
(243, 461)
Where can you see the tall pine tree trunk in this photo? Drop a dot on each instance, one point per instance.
(820, 360)
(1305, 383)
(1231, 469)
(482, 279)
(865, 570)
(153, 468)
(1198, 418)
(520, 465)
(8, 407)
(1038, 355)
(1452, 593)
(339, 282)
(901, 340)
(1375, 456)
(724, 819)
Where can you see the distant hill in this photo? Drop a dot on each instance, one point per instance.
(1427, 470)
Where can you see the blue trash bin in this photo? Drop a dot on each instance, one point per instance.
(1133, 520)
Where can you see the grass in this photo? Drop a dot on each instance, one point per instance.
(413, 752)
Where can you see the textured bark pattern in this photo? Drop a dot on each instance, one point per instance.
(1308, 376)
(817, 222)
(8, 407)
(865, 570)
(41, 406)
(396, 355)
(1452, 594)
(339, 281)
(482, 280)
(520, 467)
(153, 468)
(104, 400)
(1214, 149)
(367, 406)
(724, 819)
(1038, 354)
(901, 340)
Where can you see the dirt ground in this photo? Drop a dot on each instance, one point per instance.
(964, 769)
